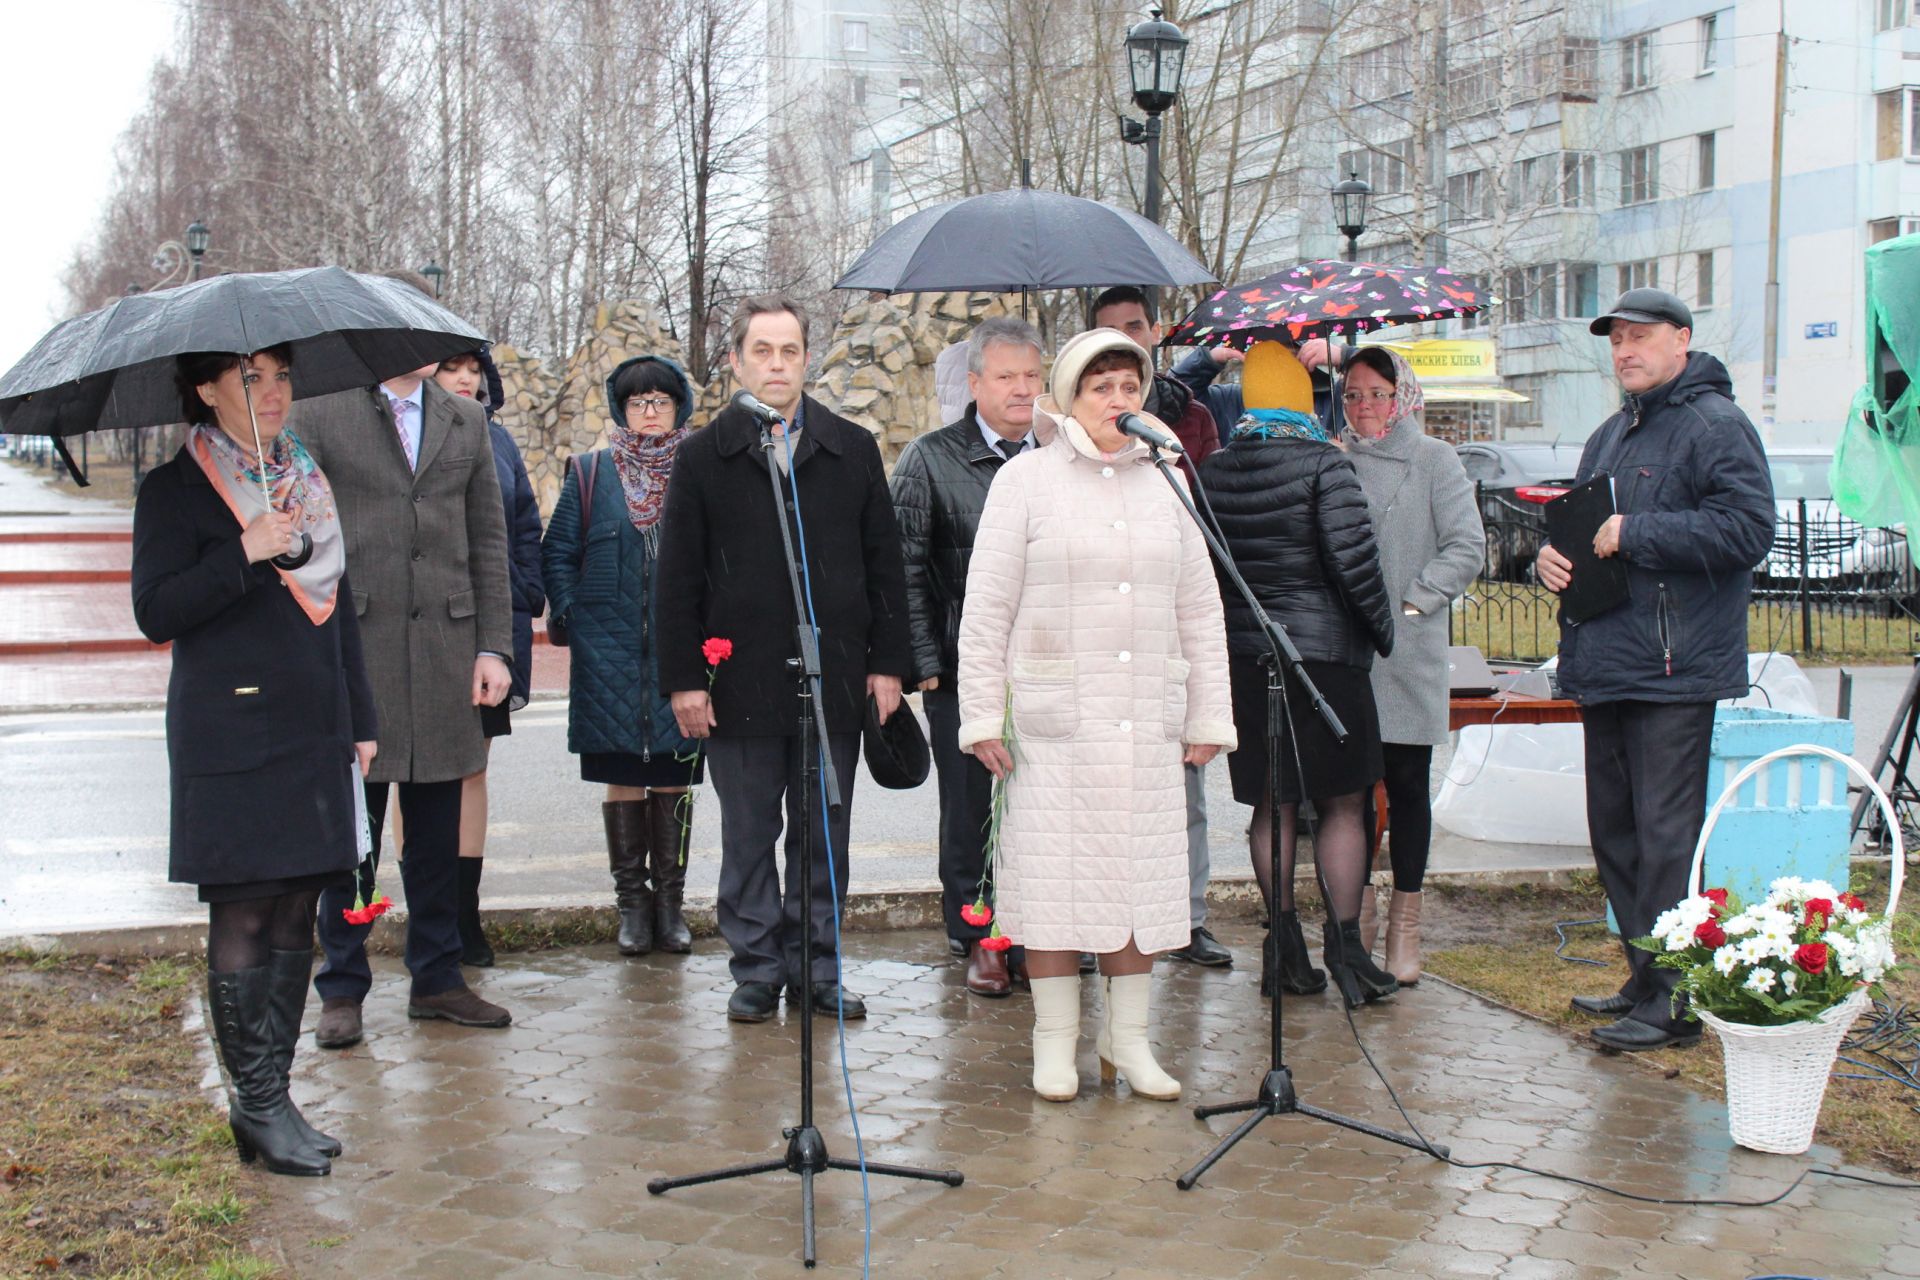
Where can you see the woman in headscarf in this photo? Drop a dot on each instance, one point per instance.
(1432, 546)
(600, 561)
(1292, 515)
(270, 719)
(1092, 619)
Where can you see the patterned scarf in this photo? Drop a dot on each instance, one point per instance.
(299, 489)
(644, 463)
(1278, 424)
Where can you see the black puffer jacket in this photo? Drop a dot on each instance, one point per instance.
(1691, 478)
(939, 486)
(1295, 521)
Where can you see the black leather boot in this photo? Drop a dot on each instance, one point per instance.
(627, 855)
(1295, 970)
(669, 826)
(292, 971)
(1359, 979)
(262, 1121)
(474, 947)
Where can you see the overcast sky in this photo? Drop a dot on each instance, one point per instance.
(76, 74)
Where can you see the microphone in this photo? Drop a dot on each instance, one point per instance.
(1136, 426)
(762, 412)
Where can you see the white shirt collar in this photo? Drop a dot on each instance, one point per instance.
(993, 438)
(417, 399)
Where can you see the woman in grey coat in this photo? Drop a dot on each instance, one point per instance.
(1432, 546)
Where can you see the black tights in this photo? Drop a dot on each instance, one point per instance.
(1339, 843)
(239, 934)
(1410, 813)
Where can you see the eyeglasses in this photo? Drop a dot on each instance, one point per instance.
(1361, 397)
(650, 404)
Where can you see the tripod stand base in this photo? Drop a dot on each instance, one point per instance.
(806, 1156)
(1277, 1098)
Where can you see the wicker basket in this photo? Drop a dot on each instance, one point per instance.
(1777, 1076)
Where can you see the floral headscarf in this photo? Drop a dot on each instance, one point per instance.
(299, 488)
(644, 462)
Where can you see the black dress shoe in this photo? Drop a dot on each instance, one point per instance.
(831, 999)
(753, 1002)
(1202, 949)
(1630, 1035)
(1613, 1006)
(957, 948)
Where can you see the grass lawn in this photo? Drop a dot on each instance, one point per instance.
(1873, 1122)
(112, 1161)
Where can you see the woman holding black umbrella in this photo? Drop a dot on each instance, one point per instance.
(270, 720)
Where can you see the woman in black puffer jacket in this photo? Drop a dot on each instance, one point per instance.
(1291, 511)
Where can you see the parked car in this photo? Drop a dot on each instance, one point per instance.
(1515, 481)
(1841, 553)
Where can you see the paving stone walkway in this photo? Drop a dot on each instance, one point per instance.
(526, 1152)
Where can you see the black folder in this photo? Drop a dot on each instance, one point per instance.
(1573, 519)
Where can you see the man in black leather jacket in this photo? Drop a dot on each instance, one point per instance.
(939, 486)
(1695, 513)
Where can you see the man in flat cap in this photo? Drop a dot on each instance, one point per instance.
(1694, 514)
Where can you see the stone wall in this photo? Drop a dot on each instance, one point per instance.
(876, 370)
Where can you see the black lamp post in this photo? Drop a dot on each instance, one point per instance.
(1156, 54)
(198, 238)
(1350, 211)
(435, 274)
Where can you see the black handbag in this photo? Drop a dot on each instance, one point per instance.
(582, 470)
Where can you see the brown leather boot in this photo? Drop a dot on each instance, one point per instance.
(1369, 917)
(669, 831)
(1403, 937)
(627, 855)
(987, 972)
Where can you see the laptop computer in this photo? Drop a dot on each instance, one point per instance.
(1468, 675)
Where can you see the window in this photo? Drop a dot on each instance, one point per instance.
(1469, 196)
(1576, 179)
(1580, 69)
(1704, 149)
(1640, 174)
(1525, 417)
(1897, 116)
(1534, 183)
(1703, 279)
(853, 36)
(1709, 36)
(1644, 274)
(1636, 62)
(1380, 72)
(911, 40)
(1383, 167)
(909, 88)
(1583, 290)
(1887, 228)
(1532, 294)
(859, 91)
(1890, 15)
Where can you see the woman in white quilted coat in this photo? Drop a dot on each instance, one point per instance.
(1092, 604)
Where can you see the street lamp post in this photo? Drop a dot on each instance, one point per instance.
(435, 274)
(1156, 54)
(198, 238)
(1350, 211)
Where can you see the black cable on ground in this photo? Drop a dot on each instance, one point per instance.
(1560, 932)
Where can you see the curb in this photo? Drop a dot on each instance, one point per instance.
(547, 928)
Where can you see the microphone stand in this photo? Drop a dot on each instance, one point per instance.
(1277, 1096)
(806, 1152)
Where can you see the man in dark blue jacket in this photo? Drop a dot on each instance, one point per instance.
(1694, 514)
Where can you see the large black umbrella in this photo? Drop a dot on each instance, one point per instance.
(113, 368)
(1013, 241)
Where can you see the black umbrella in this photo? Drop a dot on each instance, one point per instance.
(113, 368)
(1014, 241)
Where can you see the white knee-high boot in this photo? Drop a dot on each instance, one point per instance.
(1123, 1041)
(1056, 1038)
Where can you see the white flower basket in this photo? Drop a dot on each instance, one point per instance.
(1777, 1076)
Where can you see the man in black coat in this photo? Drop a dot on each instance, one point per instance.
(723, 576)
(1695, 513)
(939, 486)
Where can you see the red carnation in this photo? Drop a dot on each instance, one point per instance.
(1811, 956)
(1710, 934)
(1852, 902)
(977, 913)
(1718, 897)
(368, 913)
(1822, 907)
(717, 650)
(996, 943)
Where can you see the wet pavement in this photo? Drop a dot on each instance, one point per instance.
(526, 1152)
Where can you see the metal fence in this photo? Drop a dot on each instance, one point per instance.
(1831, 588)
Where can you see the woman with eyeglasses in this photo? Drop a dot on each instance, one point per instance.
(1432, 546)
(1292, 514)
(601, 563)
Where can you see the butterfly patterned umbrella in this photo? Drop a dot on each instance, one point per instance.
(1324, 298)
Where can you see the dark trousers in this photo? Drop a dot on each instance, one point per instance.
(1409, 812)
(1647, 765)
(430, 872)
(966, 805)
(757, 781)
